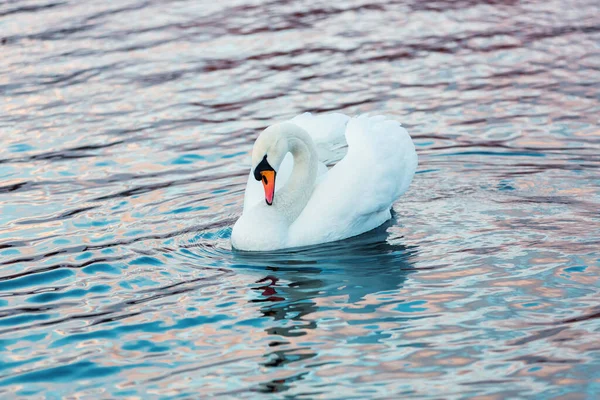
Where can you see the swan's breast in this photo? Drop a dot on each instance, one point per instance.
(259, 229)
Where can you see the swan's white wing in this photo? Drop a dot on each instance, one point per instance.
(384, 153)
(325, 130)
(356, 195)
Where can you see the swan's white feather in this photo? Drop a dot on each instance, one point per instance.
(351, 198)
(324, 129)
(357, 193)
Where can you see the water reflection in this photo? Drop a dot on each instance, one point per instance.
(296, 285)
(355, 267)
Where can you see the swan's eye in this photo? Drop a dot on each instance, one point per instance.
(265, 180)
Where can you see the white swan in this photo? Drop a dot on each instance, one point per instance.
(301, 203)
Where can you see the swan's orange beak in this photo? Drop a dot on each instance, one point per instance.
(268, 181)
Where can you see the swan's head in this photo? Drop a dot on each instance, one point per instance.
(267, 155)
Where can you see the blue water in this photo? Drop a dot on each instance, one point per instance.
(125, 129)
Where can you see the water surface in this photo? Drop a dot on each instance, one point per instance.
(125, 130)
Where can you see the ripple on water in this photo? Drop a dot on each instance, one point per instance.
(126, 131)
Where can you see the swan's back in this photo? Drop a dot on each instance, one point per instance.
(357, 193)
(324, 128)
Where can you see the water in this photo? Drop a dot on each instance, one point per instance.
(125, 130)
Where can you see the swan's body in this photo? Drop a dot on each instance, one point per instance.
(311, 204)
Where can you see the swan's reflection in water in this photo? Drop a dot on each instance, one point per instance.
(299, 289)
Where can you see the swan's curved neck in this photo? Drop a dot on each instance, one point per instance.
(294, 196)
